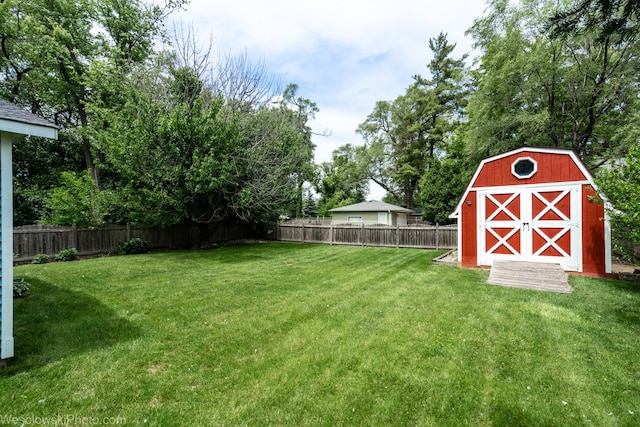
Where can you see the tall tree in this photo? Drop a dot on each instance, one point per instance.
(172, 146)
(300, 112)
(608, 17)
(278, 155)
(58, 57)
(404, 135)
(185, 153)
(620, 180)
(443, 184)
(532, 89)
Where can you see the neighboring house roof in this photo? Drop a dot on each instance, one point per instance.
(14, 119)
(372, 206)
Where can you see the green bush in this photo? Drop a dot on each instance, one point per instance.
(40, 259)
(133, 246)
(77, 201)
(621, 187)
(20, 288)
(70, 254)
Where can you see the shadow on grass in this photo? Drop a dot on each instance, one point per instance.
(628, 310)
(55, 323)
(620, 298)
(625, 285)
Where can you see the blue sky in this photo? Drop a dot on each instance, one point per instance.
(344, 55)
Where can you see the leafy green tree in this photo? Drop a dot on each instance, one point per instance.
(441, 189)
(532, 89)
(37, 165)
(621, 186)
(403, 136)
(63, 59)
(299, 112)
(184, 153)
(59, 57)
(172, 152)
(342, 181)
(277, 156)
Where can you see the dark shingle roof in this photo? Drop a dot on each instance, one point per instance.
(372, 206)
(9, 111)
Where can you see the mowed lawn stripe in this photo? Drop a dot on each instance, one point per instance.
(292, 334)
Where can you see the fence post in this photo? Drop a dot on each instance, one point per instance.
(437, 236)
(397, 236)
(128, 231)
(330, 233)
(74, 236)
(303, 232)
(362, 235)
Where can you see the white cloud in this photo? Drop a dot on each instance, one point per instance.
(341, 131)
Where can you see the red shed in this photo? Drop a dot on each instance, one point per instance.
(534, 204)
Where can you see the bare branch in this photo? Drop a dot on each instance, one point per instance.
(242, 82)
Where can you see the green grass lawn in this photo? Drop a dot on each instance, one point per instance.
(290, 334)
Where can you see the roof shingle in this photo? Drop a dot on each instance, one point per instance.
(9, 111)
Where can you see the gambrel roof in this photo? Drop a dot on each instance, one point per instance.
(567, 167)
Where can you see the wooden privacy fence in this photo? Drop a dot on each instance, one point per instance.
(42, 239)
(437, 237)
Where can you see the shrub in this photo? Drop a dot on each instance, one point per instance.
(76, 201)
(621, 186)
(70, 254)
(20, 288)
(133, 246)
(40, 259)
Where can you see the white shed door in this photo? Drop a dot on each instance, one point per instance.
(539, 224)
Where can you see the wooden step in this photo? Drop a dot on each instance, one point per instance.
(529, 275)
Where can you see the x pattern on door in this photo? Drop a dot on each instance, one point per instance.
(503, 213)
(551, 223)
(529, 224)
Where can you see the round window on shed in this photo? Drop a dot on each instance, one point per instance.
(524, 167)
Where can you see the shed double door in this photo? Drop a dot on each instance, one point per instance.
(537, 224)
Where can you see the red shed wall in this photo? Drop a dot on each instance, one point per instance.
(593, 233)
(552, 167)
(469, 256)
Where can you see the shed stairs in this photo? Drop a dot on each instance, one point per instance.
(530, 275)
